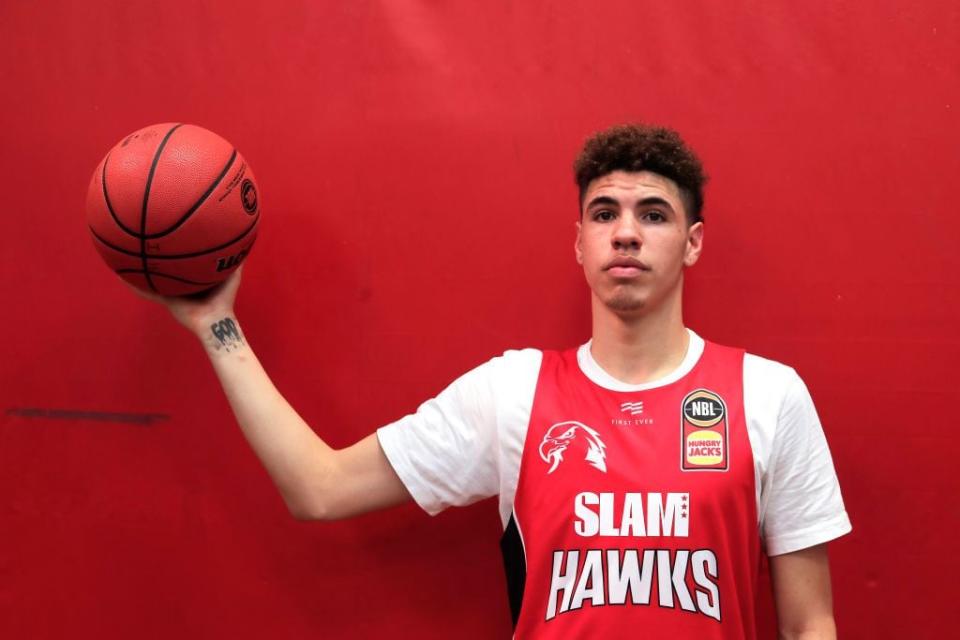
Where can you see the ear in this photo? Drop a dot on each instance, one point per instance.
(694, 244)
(578, 244)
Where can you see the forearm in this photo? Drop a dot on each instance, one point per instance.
(801, 591)
(294, 456)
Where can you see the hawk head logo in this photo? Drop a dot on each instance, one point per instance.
(562, 435)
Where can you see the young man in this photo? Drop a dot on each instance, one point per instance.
(638, 475)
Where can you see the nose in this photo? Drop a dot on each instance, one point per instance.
(626, 235)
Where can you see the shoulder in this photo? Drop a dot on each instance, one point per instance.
(513, 375)
(512, 364)
(768, 376)
(776, 387)
(764, 379)
(800, 501)
(513, 367)
(519, 358)
(486, 388)
(451, 450)
(776, 405)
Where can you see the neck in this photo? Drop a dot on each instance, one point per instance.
(642, 346)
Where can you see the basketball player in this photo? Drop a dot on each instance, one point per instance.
(640, 475)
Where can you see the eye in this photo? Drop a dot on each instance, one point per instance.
(655, 215)
(604, 215)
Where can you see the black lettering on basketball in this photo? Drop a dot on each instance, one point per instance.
(234, 181)
(231, 261)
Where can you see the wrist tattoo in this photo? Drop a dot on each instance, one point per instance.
(227, 335)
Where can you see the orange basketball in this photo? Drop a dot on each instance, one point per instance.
(173, 208)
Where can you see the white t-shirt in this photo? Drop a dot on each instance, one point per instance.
(466, 444)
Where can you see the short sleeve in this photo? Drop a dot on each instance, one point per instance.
(801, 504)
(446, 452)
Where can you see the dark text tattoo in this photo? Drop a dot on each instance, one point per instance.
(227, 335)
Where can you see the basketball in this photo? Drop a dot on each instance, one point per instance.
(173, 209)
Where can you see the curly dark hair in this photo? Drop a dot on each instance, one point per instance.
(642, 147)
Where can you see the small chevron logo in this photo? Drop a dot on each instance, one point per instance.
(634, 408)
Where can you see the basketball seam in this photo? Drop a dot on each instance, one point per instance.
(146, 198)
(179, 223)
(174, 256)
(162, 275)
(199, 202)
(106, 198)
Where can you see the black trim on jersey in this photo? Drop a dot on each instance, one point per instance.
(515, 565)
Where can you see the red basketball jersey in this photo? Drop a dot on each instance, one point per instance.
(636, 511)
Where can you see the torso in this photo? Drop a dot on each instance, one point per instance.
(633, 512)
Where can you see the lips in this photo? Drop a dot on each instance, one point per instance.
(626, 266)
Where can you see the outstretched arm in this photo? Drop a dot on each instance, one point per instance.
(801, 591)
(315, 480)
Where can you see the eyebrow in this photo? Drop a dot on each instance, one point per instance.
(613, 201)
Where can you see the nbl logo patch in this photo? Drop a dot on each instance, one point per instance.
(703, 432)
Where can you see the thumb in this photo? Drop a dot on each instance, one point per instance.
(233, 282)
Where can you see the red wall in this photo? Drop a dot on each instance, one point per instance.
(418, 211)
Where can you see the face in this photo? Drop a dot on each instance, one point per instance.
(633, 240)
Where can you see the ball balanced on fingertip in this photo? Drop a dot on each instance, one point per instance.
(173, 209)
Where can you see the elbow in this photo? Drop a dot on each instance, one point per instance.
(821, 629)
(302, 514)
(313, 512)
(304, 511)
(309, 501)
(321, 498)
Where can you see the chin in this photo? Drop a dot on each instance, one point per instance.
(625, 304)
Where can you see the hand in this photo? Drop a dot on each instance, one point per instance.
(198, 311)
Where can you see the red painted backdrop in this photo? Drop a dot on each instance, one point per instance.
(418, 218)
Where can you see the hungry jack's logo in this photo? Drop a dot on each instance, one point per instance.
(703, 432)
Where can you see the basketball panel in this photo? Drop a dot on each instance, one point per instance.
(192, 165)
(118, 261)
(189, 275)
(228, 215)
(99, 220)
(127, 168)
